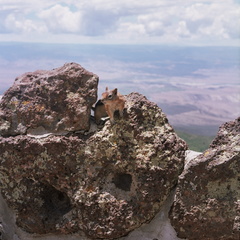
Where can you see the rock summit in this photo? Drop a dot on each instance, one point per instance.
(103, 184)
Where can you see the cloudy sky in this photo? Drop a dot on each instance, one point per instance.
(189, 22)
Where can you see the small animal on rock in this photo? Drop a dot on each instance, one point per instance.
(99, 111)
(113, 101)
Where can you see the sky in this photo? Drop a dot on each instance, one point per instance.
(170, 22)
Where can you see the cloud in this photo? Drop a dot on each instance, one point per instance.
(19, 24)
(97, 23)
(182, 30)
(108, 20)
(218, 20)
(196, 20)
(19, 16)
(60, 19)
(82, 19)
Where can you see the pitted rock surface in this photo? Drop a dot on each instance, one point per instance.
(105, 184)
(49, 101)
(207, 201)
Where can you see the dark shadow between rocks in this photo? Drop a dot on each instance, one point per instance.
(56, 204)
(44, 219)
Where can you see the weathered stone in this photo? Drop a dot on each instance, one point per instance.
(207, 201)
(106, 183)
(49, 101)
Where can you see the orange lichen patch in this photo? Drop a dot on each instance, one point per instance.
(14, 102)
(26, 103)
(90, 189)
(206, 153)
(40, 108)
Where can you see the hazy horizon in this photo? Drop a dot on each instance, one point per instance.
(196, 86)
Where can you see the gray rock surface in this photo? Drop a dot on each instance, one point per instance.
(159, 228)
(58, 100)
(8, 227)
(104, 184)
(114, 181)
(207, 201)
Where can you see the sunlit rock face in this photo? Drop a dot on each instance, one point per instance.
(207, 201)
(105, 183)
(49, 101)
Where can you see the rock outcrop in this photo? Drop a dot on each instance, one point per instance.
(49, 101)
(207, 201)
(105, 183)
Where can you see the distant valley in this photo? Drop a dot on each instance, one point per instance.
(197, 88)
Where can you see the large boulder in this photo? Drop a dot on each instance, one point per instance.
(207, 201)
(105, 184)
(58, 100)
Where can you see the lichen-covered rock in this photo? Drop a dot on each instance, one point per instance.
(207, 201)
(106, 183)
(49, 101)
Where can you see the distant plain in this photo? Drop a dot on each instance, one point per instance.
(197, 87)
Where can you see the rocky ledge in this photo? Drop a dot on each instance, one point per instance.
(64, 177)
(105, 183)
(59, 100)
(207, 201)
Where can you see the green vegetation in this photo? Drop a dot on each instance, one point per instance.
(196, 142)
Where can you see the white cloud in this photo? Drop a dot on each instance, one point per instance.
(137, 20)
(182, 29)
(18, 24)
(60, 19)
(216, 20)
